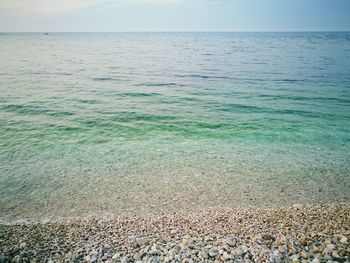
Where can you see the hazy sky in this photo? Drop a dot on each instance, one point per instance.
(174, 15)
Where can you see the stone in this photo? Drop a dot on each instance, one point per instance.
(303, 240)
(292, 250)
(314, 249)
(116, 256)
(226, 256)
(213, 252)
(329, 249)
(230, 242)
(204, 255)
(335, 254)
(283, 249)
(23, 245)
(304, 254)
(268, 237)
(142, 241)
(245, 249)
(344, 240)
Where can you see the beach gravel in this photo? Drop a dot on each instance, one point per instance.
(300, 233)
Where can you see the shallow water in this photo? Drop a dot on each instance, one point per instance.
(148, 122)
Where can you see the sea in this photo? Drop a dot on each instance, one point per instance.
(105, 124)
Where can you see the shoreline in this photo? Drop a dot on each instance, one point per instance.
(307, 232)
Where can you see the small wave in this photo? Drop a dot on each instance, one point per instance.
(138, 94)
(202, 76)
(89, 101)
(34, 110)
(289, 80)
(105, 79)
(159, 84)
(50, 73)
(60, 113)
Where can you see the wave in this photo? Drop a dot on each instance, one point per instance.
(138, 94)
(148, 84)
(34, 110)
(105, 79)
(201, 76)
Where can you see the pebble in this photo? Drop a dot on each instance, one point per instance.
(305, 255)
(142, 241)
(213, 252)
(23, 245)
(268, 237)
(116, 256)
(344, 240)
(303, 240)
(232, 235)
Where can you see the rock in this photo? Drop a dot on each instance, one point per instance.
(335, 254)
(17, 259)
(329, 249)
(303, 240)
(314, 249)
(142, 241)
(304, 254)
(283, 249)
(203, 255)
(276, 253)
(238, 251)
(230, 242)
(23, 245)
(213, 253)
(226, 256)
(280, 242)
(327, 257)
(116, 256)
(292, 250)
(142, 254)
(268, 237)
(344, 240)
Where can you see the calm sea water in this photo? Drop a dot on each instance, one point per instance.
(146, 122)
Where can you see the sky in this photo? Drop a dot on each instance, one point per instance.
(173, 15)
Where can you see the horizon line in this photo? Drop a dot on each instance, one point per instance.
(223, 31)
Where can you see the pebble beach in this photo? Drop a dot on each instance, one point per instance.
(298, 233)
(174, 147)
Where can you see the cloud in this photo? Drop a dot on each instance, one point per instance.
(44, 6)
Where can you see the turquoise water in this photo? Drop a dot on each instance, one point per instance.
(128, 122)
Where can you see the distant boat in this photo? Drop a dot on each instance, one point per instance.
(46, 33)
